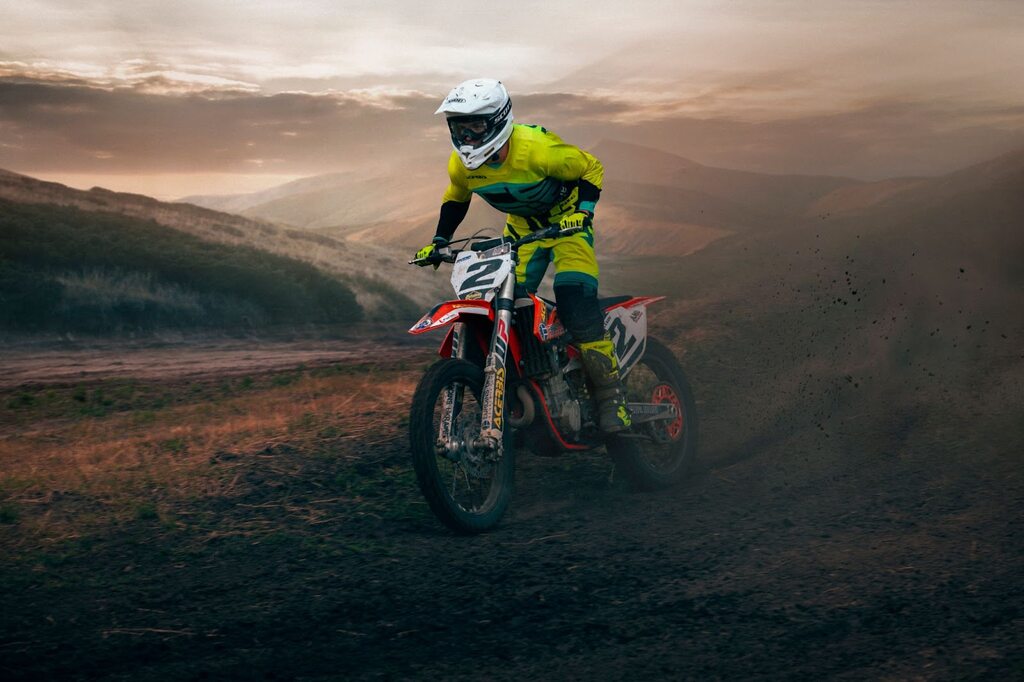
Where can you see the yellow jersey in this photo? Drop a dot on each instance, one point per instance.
(541, 179)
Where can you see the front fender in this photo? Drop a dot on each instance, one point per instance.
(449, 312)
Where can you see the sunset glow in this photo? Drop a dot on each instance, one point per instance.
(223, 92)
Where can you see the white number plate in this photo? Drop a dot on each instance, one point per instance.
(481, 272)
(628, 329)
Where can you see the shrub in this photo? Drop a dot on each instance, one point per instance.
(28, 298)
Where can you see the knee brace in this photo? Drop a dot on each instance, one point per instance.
(579, 312)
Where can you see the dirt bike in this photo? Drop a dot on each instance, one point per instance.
(509, 366)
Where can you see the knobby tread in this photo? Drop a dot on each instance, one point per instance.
(422, 438)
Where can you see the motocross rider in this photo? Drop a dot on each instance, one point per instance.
(529, 173)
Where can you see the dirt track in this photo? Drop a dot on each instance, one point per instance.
(883, 549)
(95, 362)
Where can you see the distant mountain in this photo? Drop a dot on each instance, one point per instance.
(946, 244)
(895, 304)
(854, 198)
(653, 203)
(766, 194)
(342, 201)
(372, 209)
(659, 204)
(350, 201)
(238, 203)
(1006, 171)
(903, 194)
(920, 262)
(638, 219)
(384, 285)
(972, 218)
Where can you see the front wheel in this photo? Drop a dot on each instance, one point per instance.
(467, 488)
(657, 454)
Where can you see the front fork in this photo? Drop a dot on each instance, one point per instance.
(451, 399)
(492, 422)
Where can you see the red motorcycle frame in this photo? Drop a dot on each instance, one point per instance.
(506, 349)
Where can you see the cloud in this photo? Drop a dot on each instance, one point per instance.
(70, 127)
(157, 124)
(138, 75)
(866, 89)
(875, 140)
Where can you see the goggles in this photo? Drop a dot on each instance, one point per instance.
(469, 130)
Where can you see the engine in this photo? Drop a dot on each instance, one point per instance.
(563, 391)
(561, 379)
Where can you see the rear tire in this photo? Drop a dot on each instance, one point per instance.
(465, 490)
(657, 454)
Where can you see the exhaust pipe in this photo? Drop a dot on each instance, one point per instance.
(529, 409)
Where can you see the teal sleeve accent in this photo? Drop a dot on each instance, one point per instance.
(588, 206)
(588, 236)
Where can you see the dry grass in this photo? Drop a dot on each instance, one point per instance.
(135, 463)
(107, 288)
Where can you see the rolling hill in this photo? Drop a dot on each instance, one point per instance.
(653, 203)
(384, 285)
(336, 200)
(860, 325)
(67, 270)
(778, 196)
(655, 206)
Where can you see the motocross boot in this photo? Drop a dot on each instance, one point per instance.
(602, 368)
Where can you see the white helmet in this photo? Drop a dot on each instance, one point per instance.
(479, 114)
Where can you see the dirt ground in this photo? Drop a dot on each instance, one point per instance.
(885, 546)
(63, 363)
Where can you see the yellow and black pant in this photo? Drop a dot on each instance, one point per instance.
(575, 284)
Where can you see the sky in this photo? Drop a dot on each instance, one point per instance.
(170, 99)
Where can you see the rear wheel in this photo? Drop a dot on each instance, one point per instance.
(467, 488)
(660, 453)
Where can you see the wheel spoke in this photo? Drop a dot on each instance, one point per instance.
(650, 380)
(464, 488)
(471, 478)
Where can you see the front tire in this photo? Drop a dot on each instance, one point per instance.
(657, 454)
(465, 488)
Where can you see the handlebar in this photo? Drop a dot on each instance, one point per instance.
(550, 232)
